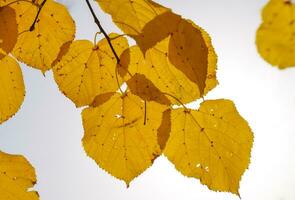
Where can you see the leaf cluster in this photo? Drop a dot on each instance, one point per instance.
(133, 97)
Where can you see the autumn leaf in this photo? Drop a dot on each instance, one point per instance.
(132, 16)
(87, 70)
(17, 177)
(165, 76)
(118, 138)
(39, 45)
(275, 37)
(8, 31)
(212, 144)
(12, 89)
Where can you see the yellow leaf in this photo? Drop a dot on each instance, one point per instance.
(275, 37)
(8, 30)
(87, 70)
(212, 144)
(116, 137)
(165, 76)
(132, 16)
(12, 89)
(54, 27)
(17, 176)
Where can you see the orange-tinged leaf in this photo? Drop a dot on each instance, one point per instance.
(145, 89)
(212, 144)
(12, 89)
(275, 38)
(17, 176)
(87, 70)
(117, 138)
(132, 16)
(165, 129)
(191, 51)
(54, 27)
(8, 30)
(165, 24)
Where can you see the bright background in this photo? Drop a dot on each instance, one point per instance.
(48, 128)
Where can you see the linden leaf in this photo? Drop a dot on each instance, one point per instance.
(191, 51)
(8, 30)
(165, 76)
(275, 37)
(17, 176)
(87, 70)
(212, 144)
(132, 16)
(117, 138)
(53, 28)
(12, 89)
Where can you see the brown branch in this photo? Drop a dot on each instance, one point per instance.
(38, 13)
(103, 31)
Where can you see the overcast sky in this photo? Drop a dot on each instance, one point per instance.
(48, 128)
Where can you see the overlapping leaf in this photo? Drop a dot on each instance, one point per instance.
(276, 35)
(168, 78)
(17, 176)
(8, 30)
(12, 90)
(212, 144)
(132, 16)
(121, 135)
(161, 73)
(87, 70)
(39, 45)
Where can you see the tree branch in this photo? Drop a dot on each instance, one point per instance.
(103, 31)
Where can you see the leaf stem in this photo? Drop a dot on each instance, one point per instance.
(36, 18)
(103, 31)
(167, 94)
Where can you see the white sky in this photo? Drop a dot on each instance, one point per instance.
(48, 128)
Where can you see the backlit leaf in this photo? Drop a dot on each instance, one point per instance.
(191, 51)
(17, 176)
(87, 70)
(212, 144)
(275, 37)
(132, 16)
(118, 138)
(165, 76)
(12, 90)
(8, 30)
(54, 27)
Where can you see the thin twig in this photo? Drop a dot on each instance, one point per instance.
(103, 31)
(36, 18)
